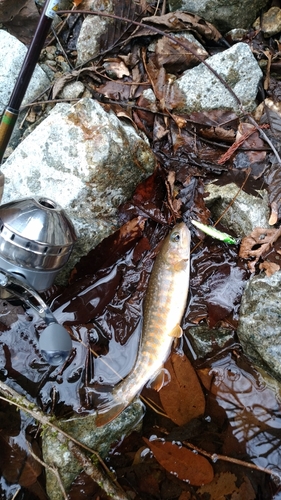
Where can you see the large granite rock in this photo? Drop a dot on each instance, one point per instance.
(259, 328)
(224, 14)
(12, 54)
(85, 159)
(202, 90)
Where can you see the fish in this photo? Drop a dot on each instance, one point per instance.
(164, 306)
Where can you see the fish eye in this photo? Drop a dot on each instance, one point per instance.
(175, 237)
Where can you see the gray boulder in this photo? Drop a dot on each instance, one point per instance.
(224, 14)
(85, 159)
(202, 90)
(241, 215)
(259, 328)
(12, 54)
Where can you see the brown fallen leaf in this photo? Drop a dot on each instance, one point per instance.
(218, 134)
(257, 244)
(181, 462)
(272, 177)
(174, 57)
(182, 398)
(224, 484)
(20, 18)
(270, 268)
(179, 21)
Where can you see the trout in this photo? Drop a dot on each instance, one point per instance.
(164, 306)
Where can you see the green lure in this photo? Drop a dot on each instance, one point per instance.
(211, 231)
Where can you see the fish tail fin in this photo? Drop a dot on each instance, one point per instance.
(108, 412)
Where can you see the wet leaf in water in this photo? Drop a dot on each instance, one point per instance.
(17, 465)
(224, 484)
(182, 462)
(251, 409)
(182, 398)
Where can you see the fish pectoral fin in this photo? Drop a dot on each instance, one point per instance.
(161, 378)
(108, 412)
(176, 332)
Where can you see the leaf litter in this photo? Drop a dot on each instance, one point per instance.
(218, 407)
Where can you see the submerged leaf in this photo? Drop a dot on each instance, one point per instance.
(183, 398)
(182, 462)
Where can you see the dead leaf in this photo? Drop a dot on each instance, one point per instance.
(270, 268)
(9, 8)
(182, 398)
(249, 137)
(20, 18)
(273, 179)
(167, 93)
(274, 115)
(179, 21)
(222, 485)
(174, 57)
(117, 67)
(257, 244)
(218, 134)
(182, 462)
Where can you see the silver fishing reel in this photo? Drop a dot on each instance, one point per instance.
(36, 239)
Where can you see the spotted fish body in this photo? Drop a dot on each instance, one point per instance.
(164, 306)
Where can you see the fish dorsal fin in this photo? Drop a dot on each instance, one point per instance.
(176, 332)
(161, 378)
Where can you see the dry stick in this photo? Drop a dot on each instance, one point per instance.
(188, 47)
(98, 475)
(91, 471)
(215, 457)
(52, 469)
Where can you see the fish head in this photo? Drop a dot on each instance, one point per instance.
(176, 248)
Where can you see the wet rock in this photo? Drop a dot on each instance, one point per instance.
(72, 90)
(241, 216)
(259, 329)
(93, 27)
(271, 22)
(85, 159)
(205, 340)
(83, 429)
(201, 89)
(12, 54)
(224, 14)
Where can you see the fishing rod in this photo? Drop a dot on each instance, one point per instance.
(11, 112)
(36, 236)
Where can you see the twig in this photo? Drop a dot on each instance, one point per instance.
(215, 457)
(186, 46)
(193, 52)
(13, 397)
(52, 469)
(263, 134)
(96, 475)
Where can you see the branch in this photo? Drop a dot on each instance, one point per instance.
(97, 474)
